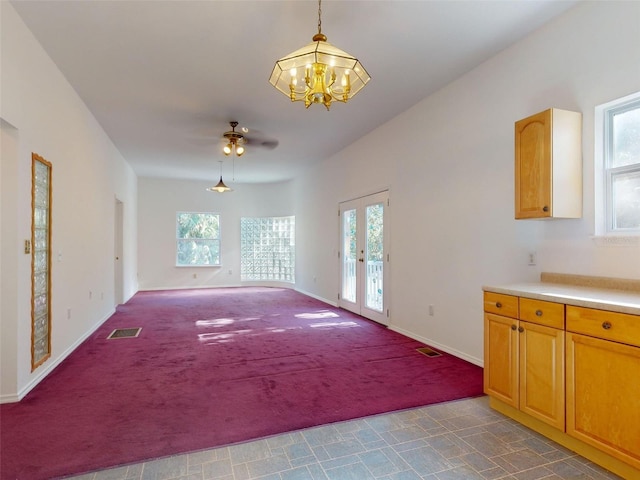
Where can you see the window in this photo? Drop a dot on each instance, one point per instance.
(621, 165)
(197, 239)
(40, 260)
(267, 249)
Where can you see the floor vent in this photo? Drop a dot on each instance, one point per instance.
(124, 333)
(429, 352)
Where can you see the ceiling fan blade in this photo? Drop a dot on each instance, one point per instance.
(269, 143)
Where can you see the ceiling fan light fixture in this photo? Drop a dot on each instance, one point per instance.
(235, 141)
(319, 72)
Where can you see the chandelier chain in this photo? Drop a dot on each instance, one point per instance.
(319, 16)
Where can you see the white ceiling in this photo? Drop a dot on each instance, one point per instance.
(164, 78)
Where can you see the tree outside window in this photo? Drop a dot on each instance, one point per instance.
(197, 239)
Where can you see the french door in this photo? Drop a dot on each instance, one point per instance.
(364, 257)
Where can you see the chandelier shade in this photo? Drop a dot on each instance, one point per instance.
(319, 73)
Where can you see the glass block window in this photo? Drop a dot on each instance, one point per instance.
(197, 239)
(40, 261)
(267, 249)
(622, 166)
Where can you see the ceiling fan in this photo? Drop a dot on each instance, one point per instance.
(236, 140)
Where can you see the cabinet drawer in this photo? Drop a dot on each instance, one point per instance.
(500, 304)
(618, 327)
(550, 314)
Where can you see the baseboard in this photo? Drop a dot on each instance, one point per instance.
(309, 294)
(51, 366)
(190, 287)
(12, 398)
(445, 348)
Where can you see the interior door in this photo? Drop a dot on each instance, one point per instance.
(364, 257)
(118, 281)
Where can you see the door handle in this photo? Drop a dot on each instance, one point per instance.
(361, 259)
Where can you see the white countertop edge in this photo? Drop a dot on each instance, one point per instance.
(602, 299)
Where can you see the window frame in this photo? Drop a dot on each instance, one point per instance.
(216, 239)
(605, 174)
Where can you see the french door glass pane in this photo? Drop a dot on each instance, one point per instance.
(374, 257)
(349, 258)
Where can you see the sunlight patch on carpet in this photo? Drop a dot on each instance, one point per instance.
(124, 333)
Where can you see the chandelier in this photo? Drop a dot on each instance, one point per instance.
(319, 72)
(220, 187)
(235, 141)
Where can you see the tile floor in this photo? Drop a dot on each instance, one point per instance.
(455, 440)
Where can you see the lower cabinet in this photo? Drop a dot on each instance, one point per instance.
(524, 361)
(571, 368)
(542, 393)
(603, 384)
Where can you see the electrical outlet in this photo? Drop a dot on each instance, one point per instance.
(532, 258)
(431, 310)
(195, 275)
(68, 314)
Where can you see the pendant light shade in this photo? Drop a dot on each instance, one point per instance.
(220, 187)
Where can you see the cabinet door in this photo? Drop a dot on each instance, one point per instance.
(603, 395)
(542, 373)
(501, 358)
(533, 166)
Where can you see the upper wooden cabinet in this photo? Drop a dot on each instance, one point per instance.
(548, 165)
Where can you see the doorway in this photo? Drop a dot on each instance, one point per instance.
(118, 228)
(364, 257)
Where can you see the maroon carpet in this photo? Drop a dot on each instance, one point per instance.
(213, 367)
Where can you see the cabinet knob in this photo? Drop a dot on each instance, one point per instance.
(606, 325)
(538, 313)
(521, 329)
(545, 208)
(498, 305)
(513, 327)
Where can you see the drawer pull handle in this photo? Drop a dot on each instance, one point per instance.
(538, 313)
(606, 325)
(498, 305)
(545, 208)
(521, 329)
(513, 327)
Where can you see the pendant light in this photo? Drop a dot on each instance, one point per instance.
(220, 187)
(319, 72)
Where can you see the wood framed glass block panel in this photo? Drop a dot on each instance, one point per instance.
(40, 260)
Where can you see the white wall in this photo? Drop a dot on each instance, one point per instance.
(160, 200)
(449, 166)
(41, 113)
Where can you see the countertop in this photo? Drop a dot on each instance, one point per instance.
(611, 299)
